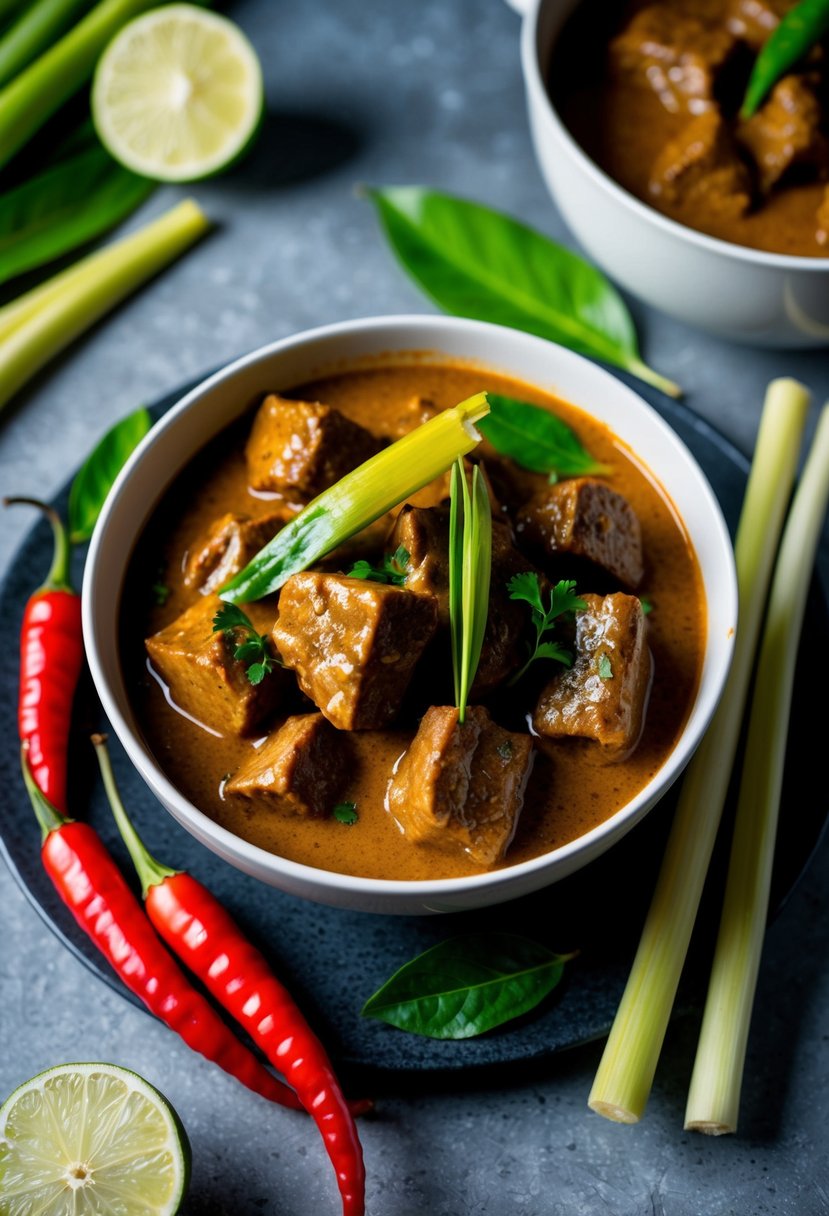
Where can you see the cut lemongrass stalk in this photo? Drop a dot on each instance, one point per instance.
(42, 88)
(33, 31)
(95, 289)
(625, 1074)
(714, 1096)
(477, 565)
(359, 498)
(23, 308)
(456, 574)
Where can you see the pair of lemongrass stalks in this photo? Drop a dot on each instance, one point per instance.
(38, 325)
(623, 1081)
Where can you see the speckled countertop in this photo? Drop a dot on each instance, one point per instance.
(382, 92)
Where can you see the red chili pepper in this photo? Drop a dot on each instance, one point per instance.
(89, 882)
(195, 925)
(51, 655)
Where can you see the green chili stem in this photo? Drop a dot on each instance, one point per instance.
(58, 577)
(48, 816)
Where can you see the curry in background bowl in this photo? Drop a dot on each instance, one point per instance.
(653, 93)
(343, 772)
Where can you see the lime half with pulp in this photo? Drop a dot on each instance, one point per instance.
(177, 94)
(91, 1139)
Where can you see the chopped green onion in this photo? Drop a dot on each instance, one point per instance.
(625, 1074)
(470, 564)
(42, 88)
(359, 498)
(94, 288)
(714, 1097)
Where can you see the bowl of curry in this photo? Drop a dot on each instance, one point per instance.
(341, 772)
(715, 217)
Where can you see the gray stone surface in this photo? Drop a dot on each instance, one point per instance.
(381, 92)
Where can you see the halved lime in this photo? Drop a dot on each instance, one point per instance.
(91, 1138)
(177, 94)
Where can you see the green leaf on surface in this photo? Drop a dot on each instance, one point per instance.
(537, 439)
(97, 474)
(63, 207)
(467, 985)
(476, 262)
(345, 812)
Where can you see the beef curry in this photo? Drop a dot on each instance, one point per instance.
(348, 754)
(653, 92)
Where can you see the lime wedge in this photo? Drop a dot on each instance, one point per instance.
(177, 94)
(91, 1139)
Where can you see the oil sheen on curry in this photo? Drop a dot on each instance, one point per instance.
(361, 711)
(653, 90)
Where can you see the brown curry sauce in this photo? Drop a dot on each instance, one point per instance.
(570, 790)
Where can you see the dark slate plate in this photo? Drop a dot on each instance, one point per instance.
(333, 960)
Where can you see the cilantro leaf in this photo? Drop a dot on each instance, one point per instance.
(605, 668)
(647, 606)
(252, 648)
(563, 602)
(393, 569)
(345, 812)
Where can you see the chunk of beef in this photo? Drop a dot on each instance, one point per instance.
(584, 518)
(602, 697)
(204, 679)
(460, 786)
(753, 20)
(226, 548)
(701, 168)
(302, 447)
(822, 229)
(352, 644)
(300, 769)
(786, 132)
(676, 55)
(424, 533)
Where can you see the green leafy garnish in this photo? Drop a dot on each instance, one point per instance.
(470, 564)
(605, 668)
(563, 600)
(96, 475)
(537, 440)
(476, 262)
(647, 606)
(392, 569)
(161, 593)
(253, 650)
(467, 985)
(345, 812)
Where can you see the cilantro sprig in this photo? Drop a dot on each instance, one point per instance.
(393, 569)
(563, 601)
(251, 647)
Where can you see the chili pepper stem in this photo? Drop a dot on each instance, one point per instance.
(58, 577)
(48, 816)
(150, 871)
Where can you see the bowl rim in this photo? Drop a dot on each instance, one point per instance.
(541, 100)
(257, 860)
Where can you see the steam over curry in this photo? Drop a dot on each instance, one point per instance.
(346, 751)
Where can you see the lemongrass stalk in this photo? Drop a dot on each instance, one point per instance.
(359, 498)
(714, 1095)
(95, 289)
(42, 88)
(625, 1074)
(23, 308)
(33, 31)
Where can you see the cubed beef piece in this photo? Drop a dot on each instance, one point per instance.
(353, 644)
(424, 533)
(584, 518)
(786, 132)
(299, 769)
(406, 417)
(302, 447)
(204, 679)
(603, 695)
(822, 229)
(753, 20)
(460, 787)
(701, 168)
(675, 55)
(227, 547)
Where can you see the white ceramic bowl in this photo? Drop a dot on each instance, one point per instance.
(223, 397)
(765, 299)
